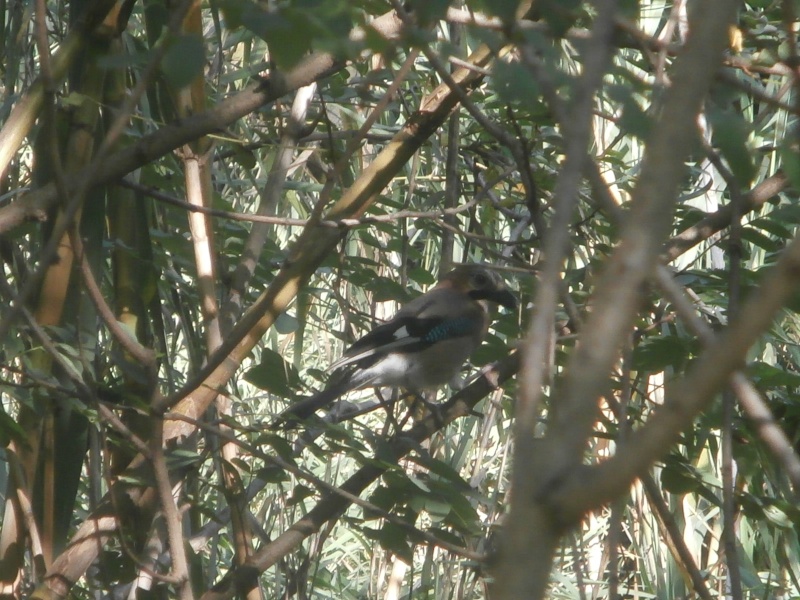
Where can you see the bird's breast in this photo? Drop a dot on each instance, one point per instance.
(429, 368)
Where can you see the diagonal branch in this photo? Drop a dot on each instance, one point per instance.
(332, 506)
(536, 521)
(307, 253)
(34, 205)
(685, 397)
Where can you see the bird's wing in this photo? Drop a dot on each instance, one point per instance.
(439, 315)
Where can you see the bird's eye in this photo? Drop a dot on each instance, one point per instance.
(480, 280)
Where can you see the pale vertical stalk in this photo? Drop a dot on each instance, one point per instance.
(198, 193)
(270, 197)
(395, 583)
(452, 190)
(25, 112)
(169, 509)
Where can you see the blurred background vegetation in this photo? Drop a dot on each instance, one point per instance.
(203, 203)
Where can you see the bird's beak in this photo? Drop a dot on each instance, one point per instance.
(504, 298)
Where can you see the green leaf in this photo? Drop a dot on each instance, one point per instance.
(421, 276)
(233, 12)
(385, 289)
(441, 469)
(513, 83)
(428, 11)
(777, 517)
(437, 508)
(182, 458)
(771, 224)
(659, 352)
(243, 156)
(395, 539)
(757, 238)
(771, 376)
(506, 10)
(785, 213)
(274, 375)
(272, 475)
(300, 493)
(560, 15)
(634, 119)
(463, 515)
(288, 32)
(184, 59)
(730, 135)
(11, 430)
(419, 483)
(629, 8)
(279, 444)
(677, 477)
(790, 161)
(287, 38)
(383, 497)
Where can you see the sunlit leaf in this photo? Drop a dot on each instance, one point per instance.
(274, 374)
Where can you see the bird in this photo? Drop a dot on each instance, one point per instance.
(423, 346)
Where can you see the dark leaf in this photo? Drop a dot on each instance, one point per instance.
(273, 374)
(730, 135)
(659, 352)
(300, 493)
(513, 83)
(184, 60)
(395, 539)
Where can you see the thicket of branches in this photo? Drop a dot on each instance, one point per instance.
(201, 204)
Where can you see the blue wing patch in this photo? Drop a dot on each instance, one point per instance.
(449, 329)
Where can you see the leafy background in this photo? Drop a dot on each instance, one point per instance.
(202, 204)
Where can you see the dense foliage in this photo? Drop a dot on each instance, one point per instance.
(202, 204)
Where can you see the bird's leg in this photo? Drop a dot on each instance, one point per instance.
(434, 407)
(420, 406)
(410, 399)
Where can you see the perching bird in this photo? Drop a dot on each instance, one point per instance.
(423, 346)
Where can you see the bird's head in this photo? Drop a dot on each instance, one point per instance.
(479, 283)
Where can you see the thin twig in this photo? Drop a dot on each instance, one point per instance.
(338, 224)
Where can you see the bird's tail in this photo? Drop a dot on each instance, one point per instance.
(299, 411)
